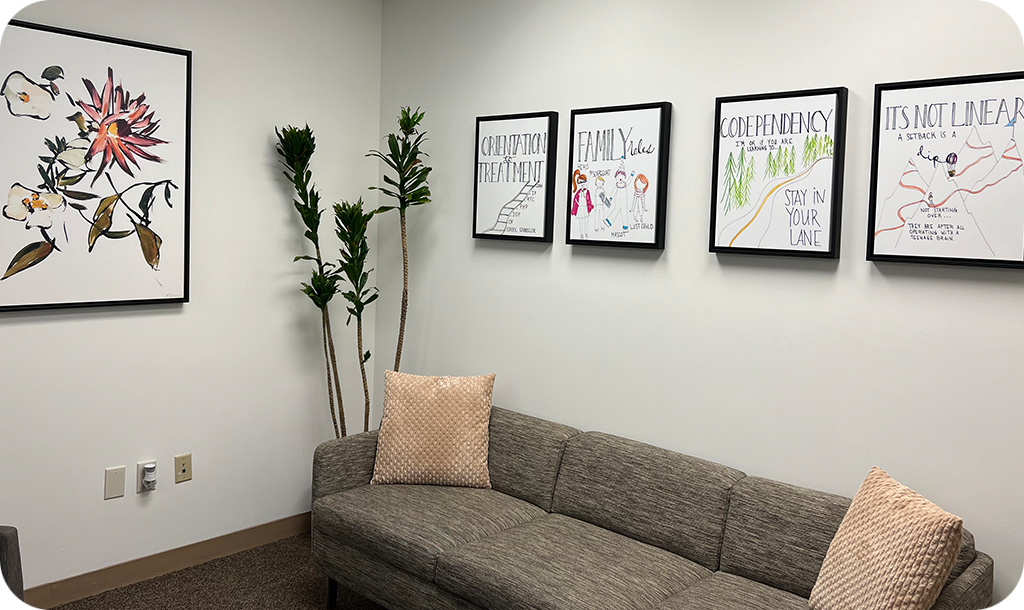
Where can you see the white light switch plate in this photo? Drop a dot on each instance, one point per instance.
(113, 483)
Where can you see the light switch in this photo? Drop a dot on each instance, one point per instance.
(113, 483)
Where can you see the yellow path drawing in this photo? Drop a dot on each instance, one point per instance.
(769, 196)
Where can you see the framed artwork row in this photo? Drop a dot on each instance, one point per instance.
(95, 163)
(947, 176)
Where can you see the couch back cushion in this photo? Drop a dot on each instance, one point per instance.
(778, 534)
(666, 499)
(524, 455)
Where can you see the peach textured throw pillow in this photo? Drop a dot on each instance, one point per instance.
(434, 431)
(894, 551)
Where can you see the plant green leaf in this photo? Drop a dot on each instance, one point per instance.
(79, 195)
(46, 177)
(105, 204)
(30, 255)
(73, 180)
(77, 206)
(53, 73)
(150, 243)
(102, 221)
(147, 201)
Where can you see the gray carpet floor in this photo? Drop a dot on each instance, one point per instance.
(277, 576)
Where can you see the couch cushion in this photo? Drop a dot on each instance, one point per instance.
(778, 534)
(525, 453)
(408, 526)
(378, 580)
(894, 550)
(434, 431)
(722, 591)
(966, 557)
(559, 563)
(666, 499)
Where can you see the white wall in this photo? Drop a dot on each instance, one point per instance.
(236, 376)
(809, 372)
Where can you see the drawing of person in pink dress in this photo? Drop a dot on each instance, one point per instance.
(639, 198)
(582, 205)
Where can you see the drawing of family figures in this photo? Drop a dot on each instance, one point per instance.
(610, 212)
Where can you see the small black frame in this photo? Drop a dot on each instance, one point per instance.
(661, 180)
(185, 188)
(549, 180)
(838, 164)
(880, 90)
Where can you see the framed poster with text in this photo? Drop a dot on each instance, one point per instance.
(618, 176)
(777, 178)
(95, 167)
(946, 179)
(514, 188)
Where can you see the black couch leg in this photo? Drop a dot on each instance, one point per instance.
(332, 594)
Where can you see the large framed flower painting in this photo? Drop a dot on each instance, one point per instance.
(94, 161)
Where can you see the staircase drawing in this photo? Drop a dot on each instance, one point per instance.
(501, 225)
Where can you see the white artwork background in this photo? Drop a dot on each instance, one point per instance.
(115, 270)
(774, 189)
(511, 177)
(633, 146)
(922, 210)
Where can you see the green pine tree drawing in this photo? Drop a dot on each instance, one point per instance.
(729, 184)
(741, 171)
(771, 168)
(748, 180)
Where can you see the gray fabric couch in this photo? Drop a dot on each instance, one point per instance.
(583, 521)
(11, 586)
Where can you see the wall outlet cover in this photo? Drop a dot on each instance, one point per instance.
(113, 483)
(139, 471)
(182, 468)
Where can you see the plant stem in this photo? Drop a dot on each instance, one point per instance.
(330, 390)
(334, 365)
(329, 349)
(362, 369)
(405, 290)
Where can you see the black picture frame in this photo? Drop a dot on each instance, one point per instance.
(507, 209)
(936, 130)
(153, 246)
(664, 134)
(838, 157)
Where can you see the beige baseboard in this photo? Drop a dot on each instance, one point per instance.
(131, 572)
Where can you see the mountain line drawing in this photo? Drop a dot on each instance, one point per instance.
(973, 209)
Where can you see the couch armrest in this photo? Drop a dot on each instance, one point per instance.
(972, 590)
(10, 560)
(343, 464)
